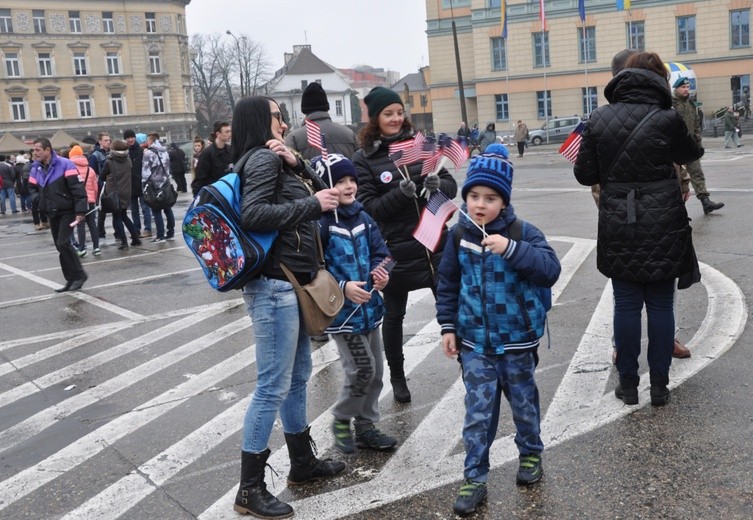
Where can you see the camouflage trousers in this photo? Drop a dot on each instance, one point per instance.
(697, 179)
(486, 378)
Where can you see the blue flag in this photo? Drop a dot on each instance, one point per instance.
(582, 10)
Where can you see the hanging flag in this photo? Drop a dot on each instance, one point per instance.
(315, 137)
(436, 213)
(542, 15)
(503, 6)
(571, 146)
(582, 10)
(623, 4)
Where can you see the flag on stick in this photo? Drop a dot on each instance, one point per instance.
(582, 10)
(385, 267)
(436, 213)
(503, 6)
(315, 137)
(571, 146)
(623, 4)
(456, 150)
(542, 15)
(409, 151)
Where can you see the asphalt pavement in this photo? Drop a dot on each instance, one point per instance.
(126, 399)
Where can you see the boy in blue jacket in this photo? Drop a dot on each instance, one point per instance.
(492, 315)
(354, 252)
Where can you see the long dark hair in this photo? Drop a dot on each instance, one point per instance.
(370, 132)
(252, 124)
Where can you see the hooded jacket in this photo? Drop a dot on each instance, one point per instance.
(57, 187)
(116, 172)
(339, 139)
(398, 215)
(643, 234)
(88, 177)
(492, 301)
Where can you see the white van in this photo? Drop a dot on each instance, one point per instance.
(558, 129)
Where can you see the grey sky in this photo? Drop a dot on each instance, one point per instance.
(386, 33)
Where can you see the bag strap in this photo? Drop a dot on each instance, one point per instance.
(289, 274)
(630, 138)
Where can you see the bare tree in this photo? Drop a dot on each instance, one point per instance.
(210, 70)
(251, 64)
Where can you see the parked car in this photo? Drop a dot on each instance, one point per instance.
(557, 127)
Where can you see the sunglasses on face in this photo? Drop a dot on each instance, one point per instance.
(278, 116)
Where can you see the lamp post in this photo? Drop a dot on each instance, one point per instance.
(240, 63)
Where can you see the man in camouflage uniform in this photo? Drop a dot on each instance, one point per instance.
(681, 102)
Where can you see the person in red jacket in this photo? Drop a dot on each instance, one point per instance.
(86, 172)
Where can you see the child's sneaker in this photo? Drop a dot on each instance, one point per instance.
(343, 436)
(529, 470)
(374, 439)
(96, 251)
(470, 496)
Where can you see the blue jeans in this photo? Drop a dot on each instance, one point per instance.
(629, 298)
(157, 214)
(283, 362)
(136, 202)
(9, 193)
(486, 378)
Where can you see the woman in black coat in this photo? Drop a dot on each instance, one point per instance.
(390, 199)
(644, 239)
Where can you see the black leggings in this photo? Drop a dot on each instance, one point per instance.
(395, 303)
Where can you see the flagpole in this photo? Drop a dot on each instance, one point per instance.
(585, 63)
(329, 174)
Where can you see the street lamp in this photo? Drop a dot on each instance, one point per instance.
(240, 63)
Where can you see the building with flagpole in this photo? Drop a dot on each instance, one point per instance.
(535, 74)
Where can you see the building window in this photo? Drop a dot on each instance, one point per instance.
(79, 64)
(113, 63)
(494, 3)
(447, 4)
(590, 100)
(108, 24)
(84, 106)
(686, 34)
(158, 102)
(636, 35)
(541, 49)
(502, 107)
(151, 22)
(587, 45)
(544, 104)
(180, 27)
(155, 67)
(50, 104)
(498, 54)
(338, 107)
(304, 84)
(6, 22)
(74, 20)
(117, 104)
(45, 64)
(12, 65)
(18, 108)
(739, 28)
(40, 24)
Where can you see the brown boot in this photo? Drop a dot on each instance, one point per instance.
(680, 351)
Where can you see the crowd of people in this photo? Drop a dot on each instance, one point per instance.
(357, 209)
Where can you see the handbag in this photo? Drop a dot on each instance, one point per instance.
(693, 271)
(109, 202)
(320, 300)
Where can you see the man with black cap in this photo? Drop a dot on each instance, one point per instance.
(338, 138)
(687, 109)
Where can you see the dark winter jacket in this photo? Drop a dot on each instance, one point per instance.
(353, 247)
(492, 301)
(398, 215)
(117, 174)
(177, 160)
(136, 154)
(22, 182)
(57, 188)
(338, 138)
(7, 176)
(276, 198)
(97, 159)
(489, 136)
(213, 164)
(644, 234)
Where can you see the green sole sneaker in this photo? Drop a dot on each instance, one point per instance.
(471, 495)
(530, 470)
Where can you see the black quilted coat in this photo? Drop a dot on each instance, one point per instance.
(397, 215)
(644, 235)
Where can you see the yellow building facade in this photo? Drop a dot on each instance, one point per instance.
(87, 67)
(506, 79)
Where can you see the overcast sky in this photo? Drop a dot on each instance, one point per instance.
(390, 34)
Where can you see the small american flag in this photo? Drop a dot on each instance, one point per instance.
(385, 267)
(454, 150)
(571, 146)
(436, 213)
(407, 152)
(315, 137)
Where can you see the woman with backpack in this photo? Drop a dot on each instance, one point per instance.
(279, 193)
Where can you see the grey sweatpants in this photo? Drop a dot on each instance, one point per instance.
(361, 356)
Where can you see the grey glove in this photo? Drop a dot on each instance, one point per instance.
(431, 183)
(408, 187)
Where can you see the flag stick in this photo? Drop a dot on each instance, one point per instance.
(329, 174)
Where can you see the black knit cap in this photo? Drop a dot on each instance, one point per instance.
(314, 99)
(129, 133)
(380, 97)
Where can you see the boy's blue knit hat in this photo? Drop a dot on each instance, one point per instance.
(339, 166)
(491, 169)
(140, 138)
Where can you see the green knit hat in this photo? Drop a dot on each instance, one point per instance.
(380, 97)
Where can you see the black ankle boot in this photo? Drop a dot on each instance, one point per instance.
(627, 390)
(304, 466)
(400, 389)
(709, 205)
(253, 497)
